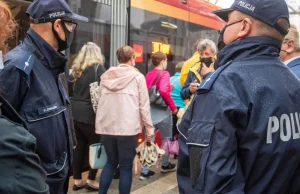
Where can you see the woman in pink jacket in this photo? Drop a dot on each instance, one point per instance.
(161, 118)
(123, 111)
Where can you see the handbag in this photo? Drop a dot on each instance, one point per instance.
(97, 156)
(155, 97)
(170, 146)
(94, 88)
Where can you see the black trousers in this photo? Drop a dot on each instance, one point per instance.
(85, 134)
(174, 129)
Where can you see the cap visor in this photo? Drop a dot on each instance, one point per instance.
(79, 18)
(223, 13)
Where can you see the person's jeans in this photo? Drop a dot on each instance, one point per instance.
(165, 128)
(120, 151)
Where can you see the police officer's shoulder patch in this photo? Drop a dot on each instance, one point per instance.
(26, 63)
(207, 84)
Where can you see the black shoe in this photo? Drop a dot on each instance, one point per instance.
(171, 167)
(117, 173)
(146, 176)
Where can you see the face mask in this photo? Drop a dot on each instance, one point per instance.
(63, 44)
(207, 61)
(221, 43)
(165, 65)
(133, 64)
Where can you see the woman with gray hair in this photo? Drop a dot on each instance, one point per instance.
(207, 50)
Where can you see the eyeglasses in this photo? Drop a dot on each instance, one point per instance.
(70, 25)
(285, 41)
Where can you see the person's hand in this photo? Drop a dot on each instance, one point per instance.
(205, 70)
(193, 87)
(175, 111)
(172, 86)
(74, 147)
(149, 138)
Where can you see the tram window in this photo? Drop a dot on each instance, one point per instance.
(97, 30)
(157, 32)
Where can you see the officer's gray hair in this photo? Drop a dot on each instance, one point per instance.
(294, 35)
(206, 43)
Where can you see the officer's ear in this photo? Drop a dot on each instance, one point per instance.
(245, 29)
(57, 26)
(290, 46)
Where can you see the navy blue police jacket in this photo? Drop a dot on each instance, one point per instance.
(30, 82)
(243, 128)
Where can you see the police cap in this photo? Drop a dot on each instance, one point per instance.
(267, 11)
(43, 11)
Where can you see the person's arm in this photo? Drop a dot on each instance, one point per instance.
(212, 140)
(20, 166)
(165, 90)
(144, 106)
(185, 91)
(13, 86)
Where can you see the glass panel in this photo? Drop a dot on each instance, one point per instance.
(97, 30)
(152, 30)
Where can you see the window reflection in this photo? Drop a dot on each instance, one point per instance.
(97, 30)
(175, 37)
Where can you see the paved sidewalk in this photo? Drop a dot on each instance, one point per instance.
(160, 183)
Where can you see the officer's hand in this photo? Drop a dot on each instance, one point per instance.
(193, 87)
(205, 70)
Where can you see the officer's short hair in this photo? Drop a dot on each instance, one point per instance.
(206, 43)
(294, 35)
(125, 53)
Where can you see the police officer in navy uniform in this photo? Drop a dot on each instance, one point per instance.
(243, 127)
(30, 83)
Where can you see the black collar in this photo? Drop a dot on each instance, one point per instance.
(53, 60)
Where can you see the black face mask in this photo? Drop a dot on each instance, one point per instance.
(221, 43)
(63, 44)
(207, 61)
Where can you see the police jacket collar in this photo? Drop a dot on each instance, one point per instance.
(10, 113)
(53, 59)
(247, 48)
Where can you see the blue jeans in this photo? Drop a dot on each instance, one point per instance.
(165, 128)
(120, 151)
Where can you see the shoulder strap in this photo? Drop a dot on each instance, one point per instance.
(175, 80)
(96, 71)
(156, 79)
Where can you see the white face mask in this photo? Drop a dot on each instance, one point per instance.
(133, 63)
(165, 65)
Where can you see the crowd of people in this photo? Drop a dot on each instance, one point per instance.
(233, 107)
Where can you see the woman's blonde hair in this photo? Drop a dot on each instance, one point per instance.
(89, 55)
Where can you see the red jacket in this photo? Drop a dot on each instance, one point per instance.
(163, 84)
